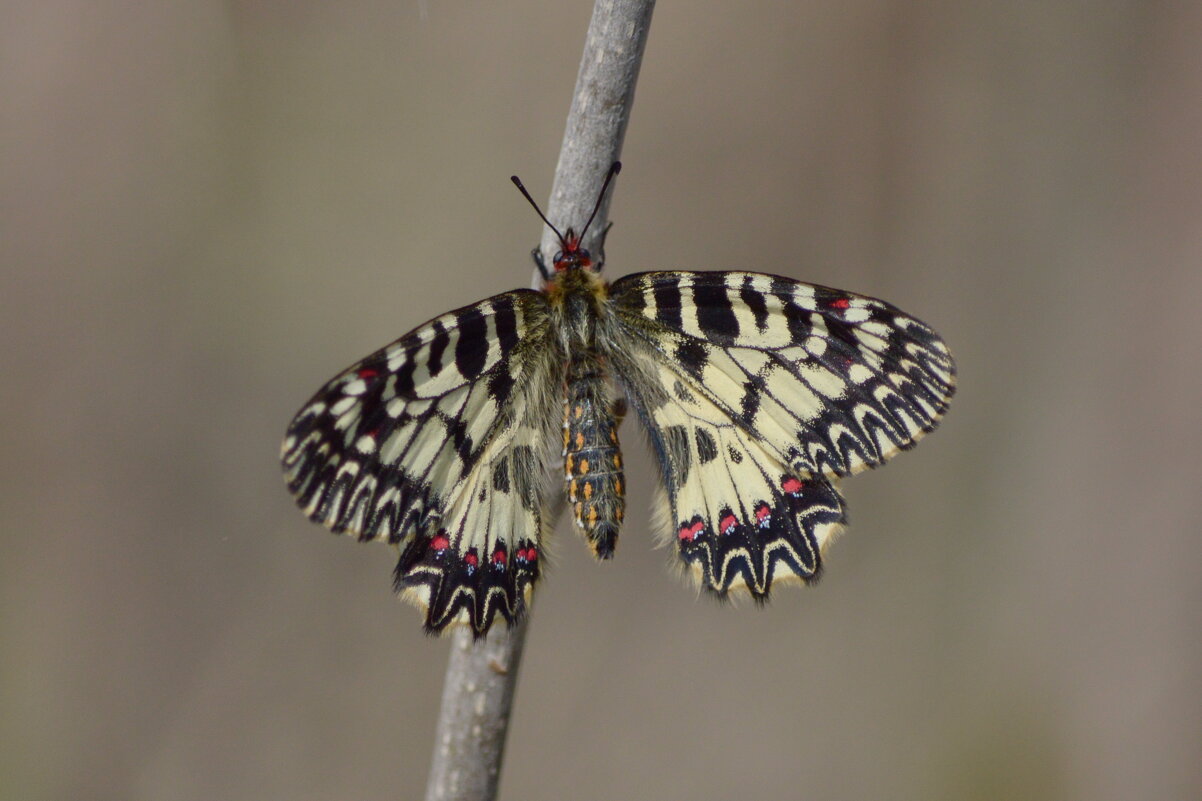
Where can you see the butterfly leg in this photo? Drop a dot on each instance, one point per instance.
(540, 263)
(601, 247)
(618, 408)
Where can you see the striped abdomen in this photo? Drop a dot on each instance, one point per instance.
(592, 457)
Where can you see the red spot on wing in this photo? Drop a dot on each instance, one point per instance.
(727, 524)
(368, 372)
(440, 542)
(532, 553)
(841, 303)
(471, 559)
(762, 512)
(499, 558)
(792, 485)
(688, 533)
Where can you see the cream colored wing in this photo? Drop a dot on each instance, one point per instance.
(833, 381)
(740, 517)
(757, 391)
(438, 444)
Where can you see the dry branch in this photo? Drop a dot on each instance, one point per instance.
(481, 676)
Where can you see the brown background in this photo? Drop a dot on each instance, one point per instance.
(208, 208)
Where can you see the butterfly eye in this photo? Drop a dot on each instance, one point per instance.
(576, 258)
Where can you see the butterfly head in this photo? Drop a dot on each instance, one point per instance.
(571, 255)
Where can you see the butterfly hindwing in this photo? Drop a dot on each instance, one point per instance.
(436, 444)
(740, 518)
(482, 559)
(757, 391)
(745, 536)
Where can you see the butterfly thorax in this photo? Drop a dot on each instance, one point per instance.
(592, 456)
(577, 298)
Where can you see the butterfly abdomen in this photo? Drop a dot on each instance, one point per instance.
(592, 457)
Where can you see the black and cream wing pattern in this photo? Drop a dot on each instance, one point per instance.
(757, 393)
(436, 444)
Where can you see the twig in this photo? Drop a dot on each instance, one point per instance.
(481, 676)
(592, 139)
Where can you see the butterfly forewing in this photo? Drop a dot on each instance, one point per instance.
(436, 443)
(835, 382)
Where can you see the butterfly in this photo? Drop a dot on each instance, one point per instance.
(456, 442)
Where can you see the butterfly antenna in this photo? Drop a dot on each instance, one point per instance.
(614, 169)
(522, 188)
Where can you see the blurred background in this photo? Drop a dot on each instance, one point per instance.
(209, 208)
